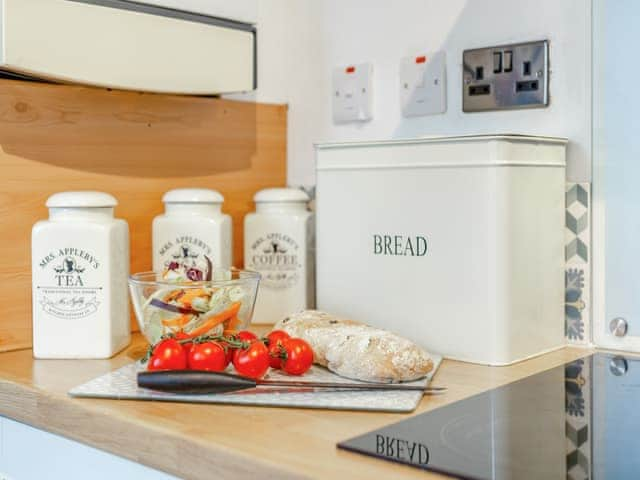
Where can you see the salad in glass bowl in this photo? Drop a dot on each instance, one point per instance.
(189, 307)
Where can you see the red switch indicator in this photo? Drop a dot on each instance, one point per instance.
(350, 69)
(421, 59)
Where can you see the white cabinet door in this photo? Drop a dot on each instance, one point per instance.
(27, 453)
(240, 10)
(616, 189)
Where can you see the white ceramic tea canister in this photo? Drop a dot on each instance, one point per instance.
(80, 265)
(192, 232)
(279, 242)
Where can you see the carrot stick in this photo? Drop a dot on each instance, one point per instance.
(192, 294)
(232, 323)
(173, 295)
(214, 320)
(177, 321)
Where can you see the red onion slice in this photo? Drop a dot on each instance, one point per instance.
(209, 269)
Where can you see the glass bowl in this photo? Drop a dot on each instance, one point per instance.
(193, 308)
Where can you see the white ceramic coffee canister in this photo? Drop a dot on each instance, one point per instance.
(191, 232)
(80, 265)
(279, 242)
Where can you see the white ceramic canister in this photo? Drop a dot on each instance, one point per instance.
(80, 265)
(279, 242)
(192, 232)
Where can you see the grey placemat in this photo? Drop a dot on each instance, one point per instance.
(121, 384)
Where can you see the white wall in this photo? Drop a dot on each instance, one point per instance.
(300, 41)
(327, 33)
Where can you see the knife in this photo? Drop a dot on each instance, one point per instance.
(195, 381)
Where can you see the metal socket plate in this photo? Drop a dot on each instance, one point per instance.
(506, 77)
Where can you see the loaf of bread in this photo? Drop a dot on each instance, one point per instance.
(355, 350)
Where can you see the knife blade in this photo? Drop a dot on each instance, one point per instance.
(194, 381)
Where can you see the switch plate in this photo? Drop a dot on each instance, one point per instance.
(513, 76)
(423, 85)
(352, 93)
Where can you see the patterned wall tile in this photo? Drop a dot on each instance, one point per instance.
(577, 231)
(578, 263)
(575, 306)
(578, 419)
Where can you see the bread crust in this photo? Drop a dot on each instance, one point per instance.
(355, 350)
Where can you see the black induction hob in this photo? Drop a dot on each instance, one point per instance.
(577, 421)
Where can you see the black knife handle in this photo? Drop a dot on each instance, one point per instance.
(193, 381)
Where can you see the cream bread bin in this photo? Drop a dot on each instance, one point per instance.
(456, 243)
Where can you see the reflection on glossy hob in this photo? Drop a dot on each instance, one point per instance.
(577, 421)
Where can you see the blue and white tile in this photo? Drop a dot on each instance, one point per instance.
(577, 307)
(578, 223)
(578, 263)
(578, 419)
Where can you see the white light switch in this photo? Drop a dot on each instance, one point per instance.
(352, 93)
(423, 85)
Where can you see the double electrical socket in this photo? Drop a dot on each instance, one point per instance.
(506, 77)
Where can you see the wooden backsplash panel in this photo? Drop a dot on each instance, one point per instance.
(132, 145)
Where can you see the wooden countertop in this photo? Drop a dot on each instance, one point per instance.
(219, 441)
